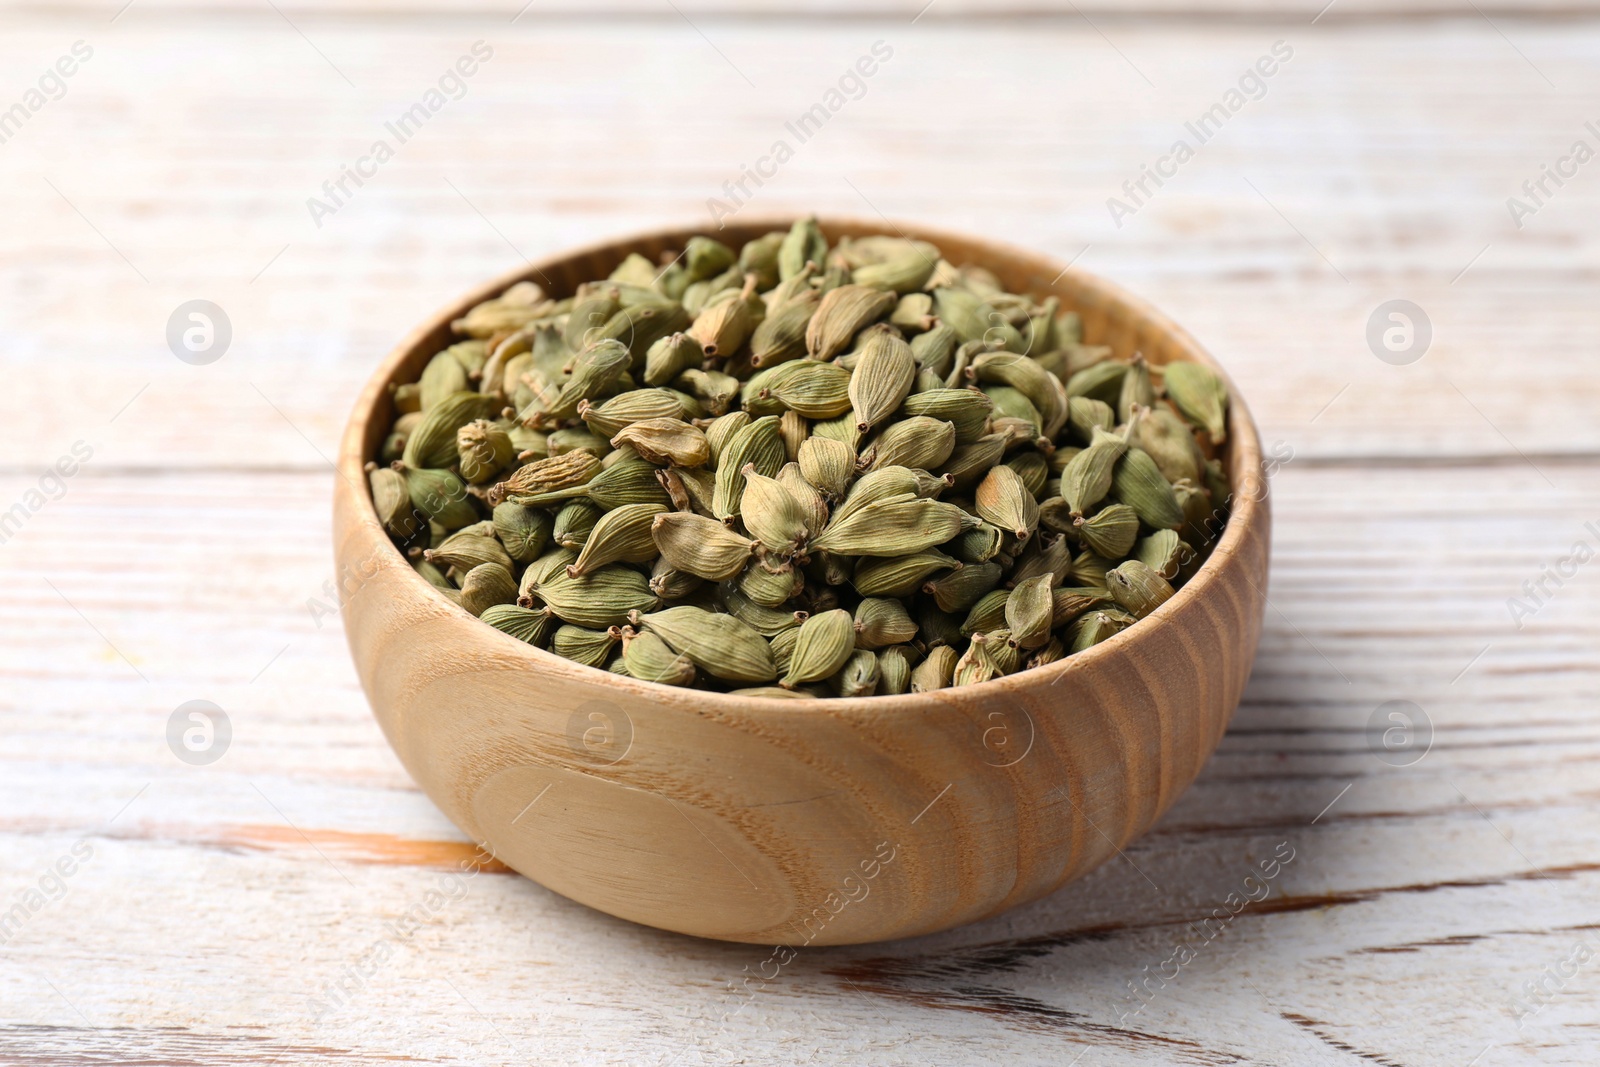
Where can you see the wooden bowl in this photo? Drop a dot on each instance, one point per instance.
(795, 822)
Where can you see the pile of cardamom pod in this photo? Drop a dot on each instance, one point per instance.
(791, 469)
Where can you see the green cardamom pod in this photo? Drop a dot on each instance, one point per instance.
(1109, 532)
(936, 671)
(439, 495)
(1028, 612)
(966, 409)
(1199, 396)
(533, 625)
(882, 377)
(487, 585)
(900, 576)
(804, 244)
(1087, 479)
(622, 535)
(433, 443)
(859, 675)
(650, 659)
(589, 647)
(392, 502)
(822, 645)
(1139, 483)
(781, 336)
(597, 600)
(1138, 588)
(1003, 500)
(720, 645)
(844, 312)
(918, 442)
(665, 442)
(895, 665)
(758, 444)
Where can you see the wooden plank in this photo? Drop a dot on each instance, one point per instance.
(1312, 207)
(257, 885)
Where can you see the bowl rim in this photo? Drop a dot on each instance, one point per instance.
(1247, 510)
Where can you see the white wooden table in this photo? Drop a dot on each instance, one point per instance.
(295, 901)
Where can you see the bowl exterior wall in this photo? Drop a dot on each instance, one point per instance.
(803, 822)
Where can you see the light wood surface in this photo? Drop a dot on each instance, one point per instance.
(223, 903)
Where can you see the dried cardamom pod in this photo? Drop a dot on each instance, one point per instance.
(781, 336)
(589, 647)
(988, 614)
(594, 371)
(720, 645)
(882, 377)
(968, 464)
(665, 442)
(721, 431)
(523, 531)
(1137, 391)
(1199, 396)
(487, 585)
(1137, 588)
(1002, 500)
(1162, 552)
(965, 409)
(443, 376)
(859, 675)
(597, 600)
(392, 502)
(822, 645)
(759, 444)
(484, 450)
(804, 244)
(1069, 603)
(433, 443)
(936, 671)
(650, 659)
(467, 549)
(438, 495)
(935, 350)
(843, 313)
(728, 319)
(893, 527)
(900, 576)
(827, 464)
(1087, 479)
(895, 665)
(610, 418)
(1029, 611)
(670, 356)
(760, 257)
(882, 621)
(1100, 381)
(960, 589)
(918, 442)
(815, 390)
(533, 625)
(546, 476)
(573, 524)
(1089, 630)
(589, 315)
(622, 535)
(1026, 376)
(1138, 483)
(1109, 532)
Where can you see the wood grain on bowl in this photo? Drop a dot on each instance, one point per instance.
(803, 822)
